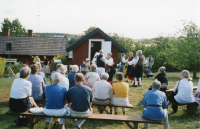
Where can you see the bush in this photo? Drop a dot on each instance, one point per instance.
(2, 66)
(15, 67)
(63, 59)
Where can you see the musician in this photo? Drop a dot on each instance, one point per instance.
(130, 66)
(84, 66)
(45, 63)
(109, 67)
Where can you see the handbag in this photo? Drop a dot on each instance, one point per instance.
(22, 121)
(173, 93)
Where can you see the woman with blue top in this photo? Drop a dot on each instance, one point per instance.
(155, 104)
(56, 96)
(122, 64)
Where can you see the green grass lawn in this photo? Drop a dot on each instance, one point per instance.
(176, 121)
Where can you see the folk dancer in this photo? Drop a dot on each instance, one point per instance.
(84, 66)
(100, 63)
(94, 60)
(109, 67)
(137, 74)
(122, 64)
(130, 67)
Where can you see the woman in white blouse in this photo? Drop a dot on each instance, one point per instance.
(65, 80)
(184, 93)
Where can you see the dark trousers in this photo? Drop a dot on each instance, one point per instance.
(173, 101)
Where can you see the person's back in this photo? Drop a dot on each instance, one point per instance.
(80, 96)
(44, 77)
(64, 82)
(92, 77)
(162, 77)
(120, 89)
(55, 95)
(71, 79)
(37, 83)
(185, 91)
(99, 62)
(155, 100)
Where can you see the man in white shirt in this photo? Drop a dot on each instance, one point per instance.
(109, 67)
(102, 91)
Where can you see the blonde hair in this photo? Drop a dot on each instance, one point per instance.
(186, 73)
(93, 67)
(162, 69)
(62, 69)
(39, 65)
(56, 77)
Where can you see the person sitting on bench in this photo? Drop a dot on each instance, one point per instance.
(72, 75)
(57, 67)
(56, 96)
(91, 77)
(41, 73)
(155, 104)
(20, 100)
(120, 91)
(37, 82)
(184, 89)
(64, 82)
(80, 99)
(102, 91)
(162, 77)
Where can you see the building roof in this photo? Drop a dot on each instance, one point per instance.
(34, 45)
(89, 35)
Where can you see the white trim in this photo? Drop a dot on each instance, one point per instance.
(90, 40)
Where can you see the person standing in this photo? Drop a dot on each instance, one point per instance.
(122, 64)
(100, 63)
(109, 67)
(45, 63)
(130, 67)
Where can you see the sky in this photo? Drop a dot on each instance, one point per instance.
(135, 19)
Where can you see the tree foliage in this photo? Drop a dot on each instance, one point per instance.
(15, 27)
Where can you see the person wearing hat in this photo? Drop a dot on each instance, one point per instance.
(109, 67)
(150, 62)
(84, 66)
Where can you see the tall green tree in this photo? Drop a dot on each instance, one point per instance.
(186, 49)
(15, 27)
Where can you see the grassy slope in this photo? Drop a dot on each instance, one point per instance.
(178, 120)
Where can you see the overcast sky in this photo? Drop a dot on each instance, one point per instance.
(131, 18)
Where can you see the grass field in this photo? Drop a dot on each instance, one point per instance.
(176, 121)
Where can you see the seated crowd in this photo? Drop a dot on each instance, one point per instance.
(69, 95)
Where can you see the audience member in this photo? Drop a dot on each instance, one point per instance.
(41, 73)
(37, 82)
(72, 75)
(20, 100)
(102, 91)
(155, 104)
(56, 96)
(80, 100)
(64, 82)
(120, 91)
(184, 89)
(91, 77)
(57, 67)
(23, 66)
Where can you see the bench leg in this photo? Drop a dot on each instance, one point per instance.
(129, 125)
(110, 110)
(135, 125)
(105, 110)
(191, 109)
(32, 121)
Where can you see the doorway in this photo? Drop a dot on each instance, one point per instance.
(95, 47)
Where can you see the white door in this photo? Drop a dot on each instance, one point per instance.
(106, 47)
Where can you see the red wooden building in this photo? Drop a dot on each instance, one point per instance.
(88, 45)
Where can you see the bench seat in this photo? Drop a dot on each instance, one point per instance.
(134, 119)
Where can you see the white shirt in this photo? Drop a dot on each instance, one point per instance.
(108, 62)
(94, 61)
(92, 77)
(198, 88)
(64, 82)
(102, 90)
(133, 61)
(185, 91)
(21, 88)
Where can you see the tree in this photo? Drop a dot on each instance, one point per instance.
(186, 49)
(89, 30)
(15, 27)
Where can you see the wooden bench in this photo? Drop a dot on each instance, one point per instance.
(190, 108)
(102, 106)
(127, 119)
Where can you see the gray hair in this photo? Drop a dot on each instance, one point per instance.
(101, 51)
(120, 76)
(56, 77)
(24, 72)
(156, 84)
(39, 65)
(75, 68)
(140, 51)
(79, 77)
(186, 73)
(162, 69)
(62, 69)
(104, 76)
(131, 53)
(93, 67)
